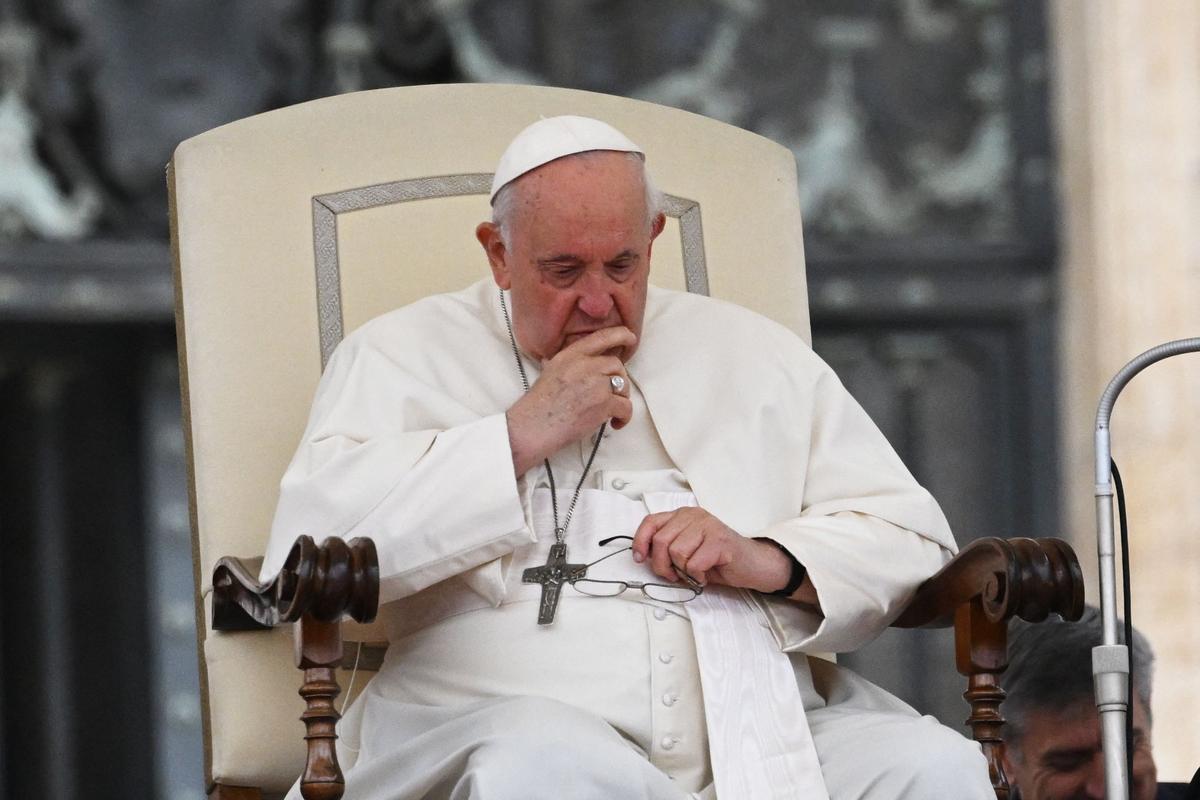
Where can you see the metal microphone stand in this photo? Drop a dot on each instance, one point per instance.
(1110, 660)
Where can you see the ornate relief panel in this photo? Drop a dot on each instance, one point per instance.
(905, 118)
(916, 120)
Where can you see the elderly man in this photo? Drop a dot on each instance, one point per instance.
(611, 522)
(1053, 747)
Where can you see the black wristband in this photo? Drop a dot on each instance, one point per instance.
(798, 569)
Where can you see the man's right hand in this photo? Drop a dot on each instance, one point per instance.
(572, 397)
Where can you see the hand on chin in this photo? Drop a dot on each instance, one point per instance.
(571, 338)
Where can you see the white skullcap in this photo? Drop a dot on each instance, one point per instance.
(548, 139)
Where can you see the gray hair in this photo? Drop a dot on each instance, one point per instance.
(1050, 668)
(505, 200)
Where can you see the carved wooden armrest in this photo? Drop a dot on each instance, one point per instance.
(316, 588)
(988, 583)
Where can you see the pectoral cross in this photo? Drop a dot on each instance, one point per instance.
(552, 575)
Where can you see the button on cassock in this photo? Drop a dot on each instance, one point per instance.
(669, 699)
(666, 658)
(668, 742)
(660, 614)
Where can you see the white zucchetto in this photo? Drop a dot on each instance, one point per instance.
(555, 137)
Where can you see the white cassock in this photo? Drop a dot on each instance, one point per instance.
(620, 697)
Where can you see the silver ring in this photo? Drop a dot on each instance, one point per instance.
(617, 383)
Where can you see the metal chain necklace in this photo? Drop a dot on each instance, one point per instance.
(556, 571)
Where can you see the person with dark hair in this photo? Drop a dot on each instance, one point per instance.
(1053, 745)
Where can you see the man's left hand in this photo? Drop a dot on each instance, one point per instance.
(691, 540)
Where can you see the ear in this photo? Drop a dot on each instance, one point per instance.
(657, 224)
(656, 227)
(488, 234)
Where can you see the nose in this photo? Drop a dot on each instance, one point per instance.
(595, 296)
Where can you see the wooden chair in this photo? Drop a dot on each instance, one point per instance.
(293, 227)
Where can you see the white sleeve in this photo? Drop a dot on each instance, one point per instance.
(402, 462)
(865, 571)
(868, 533)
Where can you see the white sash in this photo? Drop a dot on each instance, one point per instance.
(758, 736)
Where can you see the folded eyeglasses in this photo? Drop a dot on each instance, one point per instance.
(689, 589)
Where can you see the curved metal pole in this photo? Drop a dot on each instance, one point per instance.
(1110, 660)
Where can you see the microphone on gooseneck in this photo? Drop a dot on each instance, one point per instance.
(1110, 660)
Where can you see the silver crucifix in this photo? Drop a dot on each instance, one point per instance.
(552, 575)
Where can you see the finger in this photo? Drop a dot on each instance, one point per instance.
(622, 412)
(682, 548)
(591, 376)
(705, 563)
(606, 368)
(660, 545)
(616, 338)
(618, 382)
(607, 365)
(581, 366)
(649, 526)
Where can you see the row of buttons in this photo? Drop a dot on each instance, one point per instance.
(679, 743)
(669, 698)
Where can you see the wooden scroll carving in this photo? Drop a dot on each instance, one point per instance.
(317, 587)
(331, 581)
(987, 584)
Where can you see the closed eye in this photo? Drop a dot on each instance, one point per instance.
(560, 269)
(622, 264)
(1067, 760)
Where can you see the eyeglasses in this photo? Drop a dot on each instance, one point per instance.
(663, 592)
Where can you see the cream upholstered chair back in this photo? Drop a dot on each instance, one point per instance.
(293, 227)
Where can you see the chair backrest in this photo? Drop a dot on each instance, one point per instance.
(295, 226)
